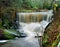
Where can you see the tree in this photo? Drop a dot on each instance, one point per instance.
(5, 3)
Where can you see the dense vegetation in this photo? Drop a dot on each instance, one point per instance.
(52, 33)
(28, 4)
(33, 4)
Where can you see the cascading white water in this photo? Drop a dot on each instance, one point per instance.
(30, 22)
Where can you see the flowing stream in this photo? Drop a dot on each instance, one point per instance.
(30, 24)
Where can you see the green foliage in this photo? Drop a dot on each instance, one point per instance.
(33, 4)
(45, 40)
(29, 4)
(8, 35)
(55, 43)
(58, 2)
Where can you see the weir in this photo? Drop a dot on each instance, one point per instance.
(29, 22)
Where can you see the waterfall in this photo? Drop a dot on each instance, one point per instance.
(30, 22)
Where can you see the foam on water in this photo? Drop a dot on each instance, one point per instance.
(31, 29)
